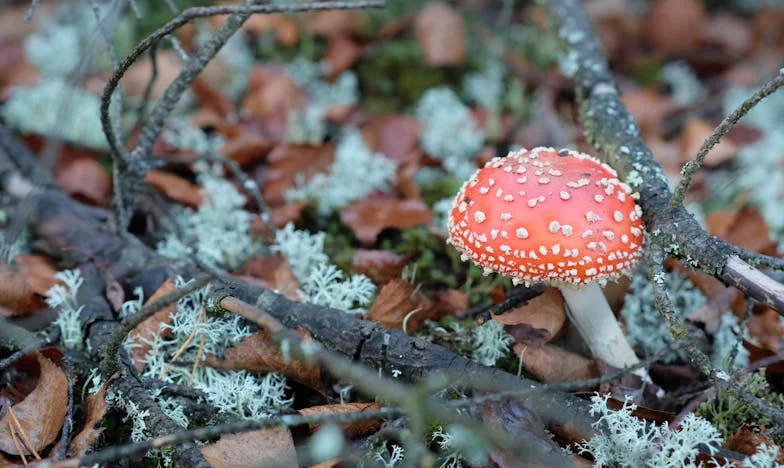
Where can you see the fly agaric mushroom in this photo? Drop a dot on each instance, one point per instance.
(558, 217)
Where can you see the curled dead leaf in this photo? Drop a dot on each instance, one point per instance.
(85, 179)
(442, 34)
(381, 266)
(538, 321)
(273, 447)
(553, 364)
(94, 410)
(38, 271)
(175, 187)
(397, 303)
(289, 164)
(275, 271)
(350, 430)
(258, 353)
(147, 330)
(41, 413)
(395, 136)
(367, 218)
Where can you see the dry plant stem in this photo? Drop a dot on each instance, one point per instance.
(176, 438)
(109, 364)
(610, 128)
(416, 401)
(769, 291)
(15, 440)
(22, 432)
(691, 167)
(590, 313)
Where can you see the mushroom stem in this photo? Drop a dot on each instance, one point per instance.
(591, 315)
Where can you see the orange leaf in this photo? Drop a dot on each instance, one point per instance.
(42, 412)
(381, 266)
(350, 430)
(552, 364)
(395, 136)
(257, 353)
(95, 409)
(341, 54)
(147, 330)
(175, 187)
(38, 272)
(16, 295)
(83, 177)
(449, 302)
(441, 33)
(287, 163)
(247, 148)
(394, 303)
(262, 448)
(747, 439)
(537, 322)
(275, 271)
(367, 218)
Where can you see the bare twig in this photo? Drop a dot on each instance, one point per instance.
(725, 126)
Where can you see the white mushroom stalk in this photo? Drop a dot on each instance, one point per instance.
(558, 217)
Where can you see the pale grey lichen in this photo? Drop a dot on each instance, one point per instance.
(629, 442)
(685, 87)
(449, 131)
(321, 282)
(356, 173)
(491, 342)
(486, 87)
(646, 330)
(63, 299)
(726, 342)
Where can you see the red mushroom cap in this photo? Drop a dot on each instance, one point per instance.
(546, 215)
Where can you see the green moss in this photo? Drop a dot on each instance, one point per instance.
(646, 71)
(728, 413)
(395, 76)
(442, 187)
(309, 47)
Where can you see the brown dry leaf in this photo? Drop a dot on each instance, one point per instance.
(396, 301)
(175, 187)
(285, 29)
(381, 266)
(334, 23)
(674, 26)
(85, 179)
(449, 302)
(247, 148)
(275, 271)
(442, 34)
(257, 353)
(552, 364)
(537, 322)
(211, 98)
(367, 218)
(271, 93)
(287, 163)
(649, 108)
(395, 136)
(728, 32)
(750, 231)
(666, 153)
(693, 135)
(273, 447)
(747, 439)
(350, 430)
(135, 80)
(765, 327)
(42, 412)
(38, 271)
(17, 297)
(340, 55)
(146, 330)
(94, 408)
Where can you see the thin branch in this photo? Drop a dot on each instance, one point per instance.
(109, 364)
(755, 283)
(725, 126)
(288, 420)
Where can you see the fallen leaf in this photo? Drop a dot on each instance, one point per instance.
(17, 297)
(85, 179)
(766, 329)
(150, 327)
(334, 23)
(247, 148)
(538, 321)
(448, 302)
(553, 364)
(38, 271)
(693, 135)
(352, 429)
(381, 266)
(175, 187)
(442, 34)
(137, 77)
(273, 447)
(750, 231)
(368, 217)
(257, 353)
(95, 408)
(649, 108)
(674, 26)
(271, 94)
(289, 163)
(746, 440)
(275, 270)
(396, 301)
(340, 55)
(395, 136)
(728, 32)
(42, 412)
